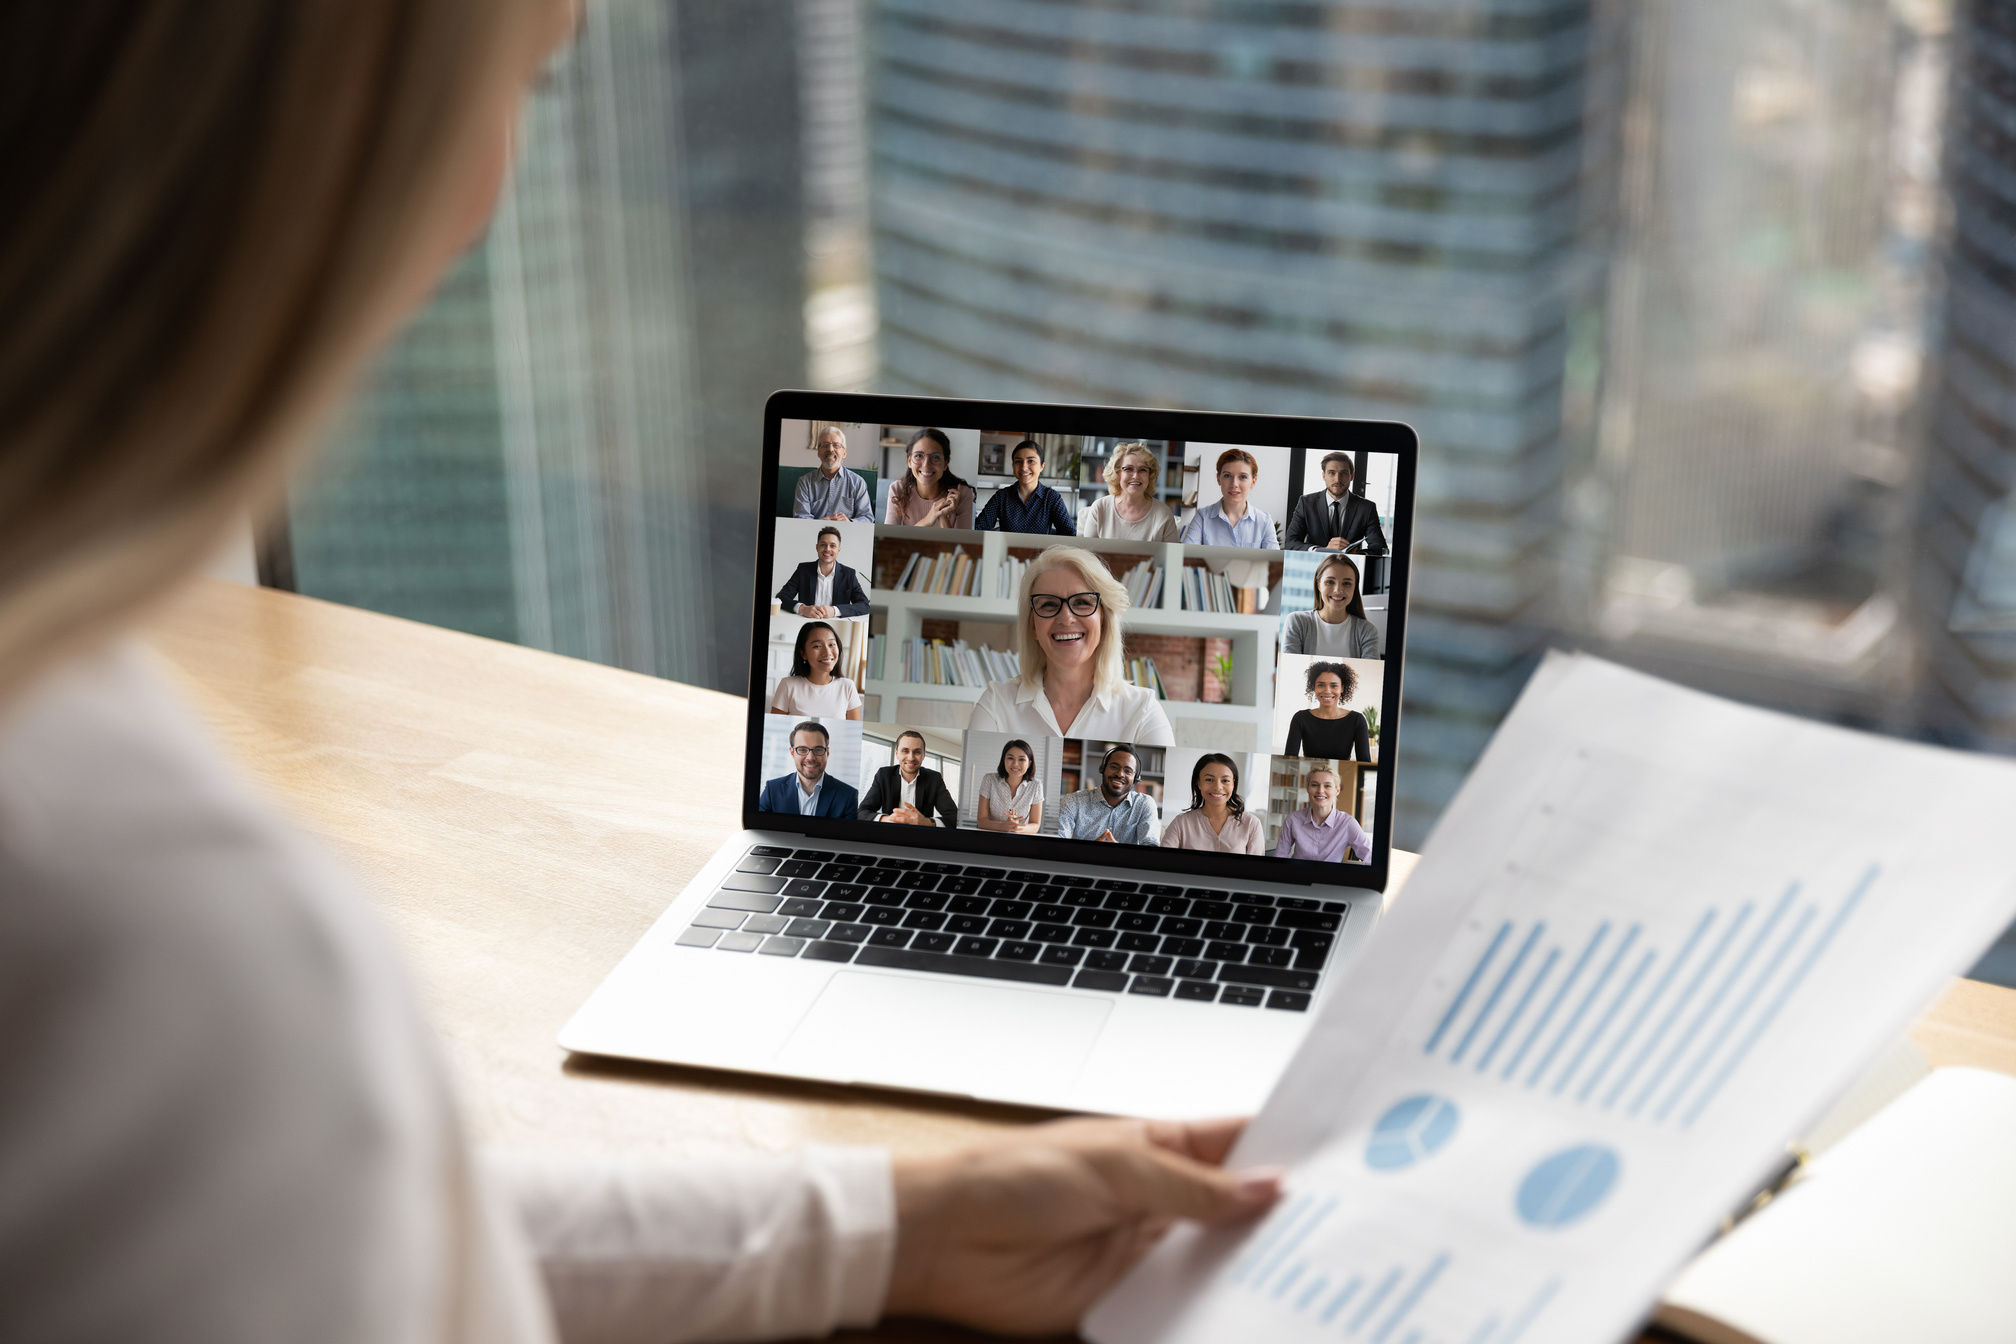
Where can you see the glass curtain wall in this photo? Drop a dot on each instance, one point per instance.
(555, 452)
(1743, 521)
(1355, 208)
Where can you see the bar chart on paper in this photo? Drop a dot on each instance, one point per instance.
(1645, 1018)
(1335, 1283)
(1655, 934)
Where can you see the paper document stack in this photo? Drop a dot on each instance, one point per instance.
(1653, 938)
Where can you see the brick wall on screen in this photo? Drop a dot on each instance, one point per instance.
(1178, 658)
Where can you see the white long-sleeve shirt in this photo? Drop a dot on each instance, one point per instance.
(224, 1118)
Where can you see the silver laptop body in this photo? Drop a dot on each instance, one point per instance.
(1026, 967)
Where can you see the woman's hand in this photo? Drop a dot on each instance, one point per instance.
(941, 509)
(1021, 1235)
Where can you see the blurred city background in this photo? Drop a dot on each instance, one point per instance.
(1705, 312)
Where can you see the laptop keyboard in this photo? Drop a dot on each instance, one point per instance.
(1046, 929)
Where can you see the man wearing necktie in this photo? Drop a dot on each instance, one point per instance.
(1334, 519)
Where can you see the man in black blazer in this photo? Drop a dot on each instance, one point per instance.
(1332, 518)
(800, 594)
(928, 796)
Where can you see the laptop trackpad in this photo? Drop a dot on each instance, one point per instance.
(982, 1040)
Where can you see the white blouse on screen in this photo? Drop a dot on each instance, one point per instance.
(1000, 802)
(1127, 713)
(797, 695)
(226, 1119)
(1102, 519)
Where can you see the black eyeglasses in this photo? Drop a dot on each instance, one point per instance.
(1046, 606)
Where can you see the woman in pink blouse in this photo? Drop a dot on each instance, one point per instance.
(928, 494)
(1217, 818)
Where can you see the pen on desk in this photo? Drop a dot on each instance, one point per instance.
(1781, 1176)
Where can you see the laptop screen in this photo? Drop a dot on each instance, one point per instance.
(1024, 630)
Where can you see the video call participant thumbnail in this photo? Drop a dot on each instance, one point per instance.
(928, 494)
(1217, 819)
(1070, 640)
(1337, 625)
(1130, 511)
(1028, 505)
(1329, 730)
(1333, 518)
(1321, 830)
(824, 587)
(1234, 520)
(809, 791)
(832, 492)
(1112, 812)
(814, 688)
(1011, 797)
(908, 793)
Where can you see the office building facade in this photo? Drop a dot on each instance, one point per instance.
(1966, 580)
(1345, 209)
(557, 450)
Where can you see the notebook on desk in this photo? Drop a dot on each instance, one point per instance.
(1068, 778)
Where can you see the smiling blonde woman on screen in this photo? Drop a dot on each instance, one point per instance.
(1129, 511)
(224, 1118)
(1070, 639)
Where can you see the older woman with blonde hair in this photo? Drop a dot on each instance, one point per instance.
(225, 1119)
(1130, 511)
(1073, 682)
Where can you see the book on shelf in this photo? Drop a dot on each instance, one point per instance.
(933, 662)
(1141, 672)
(1143, 584)
(953, 573)
(1204, 590)
(1008, 577)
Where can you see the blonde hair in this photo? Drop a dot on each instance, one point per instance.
(1109, 660)
(270, 164)
(1121, 454)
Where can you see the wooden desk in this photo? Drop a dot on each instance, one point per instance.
(524, 817)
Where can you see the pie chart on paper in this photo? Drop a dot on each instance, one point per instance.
(1567, 1185)
(1411, 1131)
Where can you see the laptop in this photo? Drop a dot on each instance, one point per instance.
(1068, 779)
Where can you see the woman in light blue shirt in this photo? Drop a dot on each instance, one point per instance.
(1233, 521)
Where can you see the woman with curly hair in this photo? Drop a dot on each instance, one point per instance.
(1330, 729)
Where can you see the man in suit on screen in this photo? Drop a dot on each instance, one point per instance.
(809, 790)
(824, 589)
(907, 793)
(1332, 519)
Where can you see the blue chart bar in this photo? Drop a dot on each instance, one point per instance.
(1785, 992)
(1574, 974)
(1582, 1008)
(1412, 1297)
(1484, 1330)
(1498, 992)
(1312, 1292)
(1277, 1228)
(1742, 1008)
(1666, 978)
(1700, 978)
(1519, 1008)
(1364, 1313)
(1342, 1300)
(1463, 994)
(1532, 1309)
(1288, 1245)
(1603, 1022)
(1722, 988)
